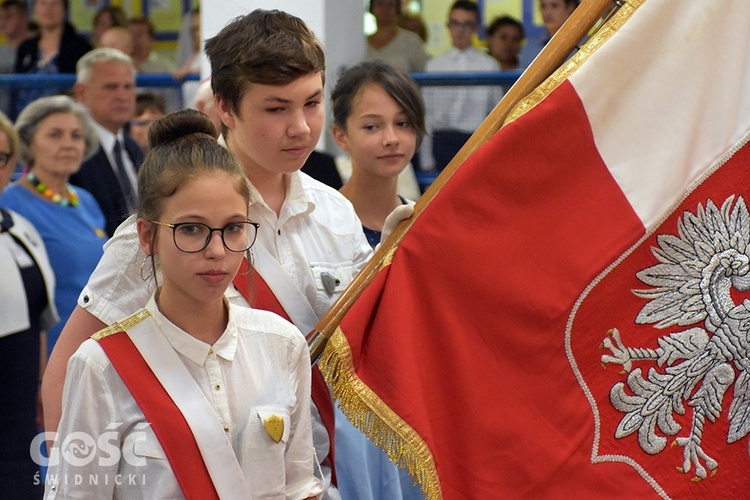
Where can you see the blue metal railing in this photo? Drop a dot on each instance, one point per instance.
(505, 78)
(67, 80)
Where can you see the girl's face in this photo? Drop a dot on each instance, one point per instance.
(378, 134)
(385, 11)
(49, 13)
(190, 279)
(58, 145)
(101, 24)
(555, 13)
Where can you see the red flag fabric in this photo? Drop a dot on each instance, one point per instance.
(566, 318)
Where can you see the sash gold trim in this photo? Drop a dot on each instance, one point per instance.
(569, 67)
(121, 326)
(371, 415)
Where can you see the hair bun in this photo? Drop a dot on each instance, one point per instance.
(179, 124)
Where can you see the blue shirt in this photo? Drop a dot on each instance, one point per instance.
(74, 237)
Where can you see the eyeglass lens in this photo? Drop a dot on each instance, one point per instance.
(195, 236)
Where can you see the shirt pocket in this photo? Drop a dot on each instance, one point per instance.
(331, 277)
(264, 446)
(148, 448)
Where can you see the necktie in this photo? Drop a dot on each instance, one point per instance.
(123, 178)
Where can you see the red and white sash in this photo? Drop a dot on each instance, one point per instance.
(184, 422)
(258, 291)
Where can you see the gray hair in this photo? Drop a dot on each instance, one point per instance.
(33, 114)
(86, 64)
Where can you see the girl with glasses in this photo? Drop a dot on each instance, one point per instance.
(191, 395)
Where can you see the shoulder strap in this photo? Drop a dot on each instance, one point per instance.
(166, 420)
(286, 292)
(259, 295)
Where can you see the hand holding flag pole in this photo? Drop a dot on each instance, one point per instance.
(549, 59)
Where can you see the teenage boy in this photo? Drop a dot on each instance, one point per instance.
(455, 112)
(267, 76)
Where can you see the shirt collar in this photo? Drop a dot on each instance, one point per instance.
(465, 52)
(107, 138)
(196, 350)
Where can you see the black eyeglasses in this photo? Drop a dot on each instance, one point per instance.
(468, 25)
(192, 237)
(5, 156)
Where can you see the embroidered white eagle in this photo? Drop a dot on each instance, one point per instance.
(691, 286)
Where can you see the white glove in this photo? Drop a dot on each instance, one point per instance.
(401, 212)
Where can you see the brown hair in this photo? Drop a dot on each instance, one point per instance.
(116, 13)
(145, 22)
(398, 85)
(181, 147)
(268, 47)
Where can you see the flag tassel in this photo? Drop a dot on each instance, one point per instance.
(376, 420)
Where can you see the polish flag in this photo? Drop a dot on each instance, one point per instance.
(567, 317)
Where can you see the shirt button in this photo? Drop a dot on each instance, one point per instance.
(226, 428)
(279, 232)
(210, 352)
(86, 299)
(218, 387)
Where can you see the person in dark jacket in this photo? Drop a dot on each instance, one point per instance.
(56, 49)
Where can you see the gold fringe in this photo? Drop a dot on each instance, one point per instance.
(571, 65)
(368, 413)
(121, 326)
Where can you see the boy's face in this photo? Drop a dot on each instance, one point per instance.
(462, 24)
(276, 126)
(505, 43)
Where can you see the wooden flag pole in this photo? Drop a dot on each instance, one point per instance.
(551, 57)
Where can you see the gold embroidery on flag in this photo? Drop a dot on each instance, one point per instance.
(274, 427)
(121, 326)
(571, 65)
(375, 419)
(388, 257)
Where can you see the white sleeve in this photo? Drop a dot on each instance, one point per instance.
(117, 288)
(298, 458)
(88, 409)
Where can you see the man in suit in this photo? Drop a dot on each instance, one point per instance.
(105, 85)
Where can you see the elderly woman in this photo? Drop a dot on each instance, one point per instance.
(56, 136)
(26, 311)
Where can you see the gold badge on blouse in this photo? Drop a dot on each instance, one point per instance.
(274, 427)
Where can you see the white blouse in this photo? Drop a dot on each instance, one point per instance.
(259, 366)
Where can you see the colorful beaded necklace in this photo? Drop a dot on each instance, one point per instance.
(71, 199)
